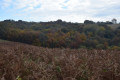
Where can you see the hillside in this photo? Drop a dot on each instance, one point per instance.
(61, 34)
(26, 62)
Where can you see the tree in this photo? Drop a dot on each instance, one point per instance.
(88, 22)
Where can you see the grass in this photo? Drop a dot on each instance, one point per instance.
(3, 40)
(25, 62)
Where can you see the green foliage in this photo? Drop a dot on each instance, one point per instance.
(115, 47)
(58, 68)
(100, 46)
(19, 78)
(102, 29)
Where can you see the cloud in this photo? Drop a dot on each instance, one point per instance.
(68, 10)
(5, 3)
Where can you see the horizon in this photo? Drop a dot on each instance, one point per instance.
(66, 10)
(57, 20)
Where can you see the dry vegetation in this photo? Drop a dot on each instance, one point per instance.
(25, 62)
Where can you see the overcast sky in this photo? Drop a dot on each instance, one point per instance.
(67, 10)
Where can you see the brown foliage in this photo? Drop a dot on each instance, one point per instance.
(36, 63)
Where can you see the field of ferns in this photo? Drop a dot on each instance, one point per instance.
(25, 62)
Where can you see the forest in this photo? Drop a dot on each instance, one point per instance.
(61, 34)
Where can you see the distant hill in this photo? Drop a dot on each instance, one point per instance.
(61, 34)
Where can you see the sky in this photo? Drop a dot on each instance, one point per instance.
(67, 10)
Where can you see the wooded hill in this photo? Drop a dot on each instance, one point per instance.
(61, 34)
